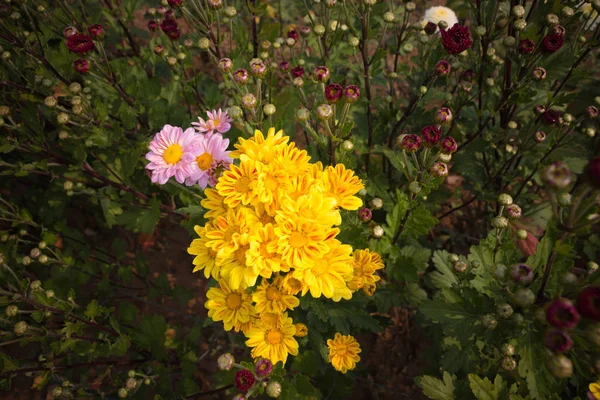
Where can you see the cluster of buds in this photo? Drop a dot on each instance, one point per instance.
(83, 43)
(248, 380)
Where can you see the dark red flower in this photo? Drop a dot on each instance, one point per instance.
(456, 39)
(80, 43)
(351, 93)
(169, 25)
(442, 67)
(174, 35)
(244, 379)
(293, 34)
(430, 28)
(588, 302)
(82, 66)
(431, 135)
(298, 71)
(365, 214)
(175, 3)
(410, 143)
(170, 14)
(592, 172)
(448, 145)
(321, 74)
(553, 42)
(333, 92)
(557, 341)
(526, 46)
(551, 116)
(284, 66)
(561, 313)
(96, 31)
(153, 25)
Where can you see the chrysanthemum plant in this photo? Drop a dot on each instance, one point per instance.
(330, 160)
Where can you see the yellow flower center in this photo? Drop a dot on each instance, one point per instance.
(204, 161)
(293, 285)
(273, 337)
(297, 240)
(230, 232)
(240, 255)
(266, 219)
(273, 294)
(173, 154)
(340, 349)
(243, 185)
(216, 122)
(234, 301)
(264, 253)
(271, 183)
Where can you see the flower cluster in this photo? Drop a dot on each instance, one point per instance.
(274, 217)
(191, 157)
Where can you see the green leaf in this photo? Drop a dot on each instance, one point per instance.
(436, 389)
(544, 247)
(444, 276)
(92, 310)
(150, 334)
(484, 389)
(532, 366)
(120, 346)
(451, 316)
(419, 222)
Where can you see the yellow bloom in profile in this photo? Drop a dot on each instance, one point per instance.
(238, 183)
(224, 231)
(233, 307)
(301, 330)
(594, 388)
(262, 252)
(291, 285)
(206, 258)
(342, 184)
(328, 274)
(273, 343)
(365, 265)
(343, 352)
(238, 273)
(341, 293)
(260, 148)
(301, 241)
(269, 298)
(213, 203)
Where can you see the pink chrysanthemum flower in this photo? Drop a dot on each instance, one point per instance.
(211, 159)
(217, 120)
(172, 152)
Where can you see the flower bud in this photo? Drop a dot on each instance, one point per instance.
(225, 362)
(215, 4)
(122, 393)
(376, 203)
(592, 267)
(448, 145)
(235, 112)
(568, 118)
(500, 223)
(96, 31)
(453, 258)
(540, 136)
(557, 175)
(505, 199)
(522, 234)
(539, 73)
(258, 68)
(439, 170)
(508, 363)
(460, 267)
(521, 274)
(225, 65)
(230, 11)
(333, 92)
(377, 231)
(513, 212)
(592, 112)
(158, 49)
(11, 310)
(410, 143)
(560, 366)
(171, 61)
(248, 101)
(321, 74)
(353, 41)
(131, 373)
(365, 214)
(489, 321)
(351, 94)
(562, 314)
(524, 297)
(204, 43)
(347, 145)
(504, 311)
(50, 101)
(43, 259)
(324, 112)
(241, 76)
(273, 389)
(443, 116)
(590, 132)
(303, 114)
(588, 303)
(269, 109)
(35, 285)
(20, 328)
(442, 68)
(63, 118)
(57, 392)
(507, 349)
(552, 19)
(319, 30)
(518, 11)
(298, 71)
(520, 24)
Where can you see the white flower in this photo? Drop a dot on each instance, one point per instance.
(589, 16)
(437, 14)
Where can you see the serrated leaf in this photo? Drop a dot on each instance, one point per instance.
(437, 389)
(484, 389)
(419, 222)
(444, 276)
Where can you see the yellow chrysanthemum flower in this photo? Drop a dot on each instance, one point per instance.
(594, 388)
(301, 330)
(365, 265)
(238, 273)
(301, 242)
(206, 258)
(223, 233)
(270, 299)
(260, 148)
(292, 160)
(273, 343)
(273, 182)
(342, 184)
(237, 185)
(314, 207)
(233, 307)
(263, 252)
(270, 320)
(291, 285)
(213, 203)
(329, 274)
(343, 352)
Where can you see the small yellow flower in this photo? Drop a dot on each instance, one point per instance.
(342, 184)
(365, 264)
(291, 285)
(269, 298)
(213, 203)
(595, 389)
(273, 343)
(343, 352)
(260, 148)
(238, 184)
(206, 258)
(235, 269)
(233, 307)
(301, 330)
(224, 231)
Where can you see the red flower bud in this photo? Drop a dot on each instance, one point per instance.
(284, 66)
(521, 273)
(365, 214)
(468, 75)
(321, 74)
(588, 302)
(410, 143)
(443, 115)
(526, 46)
(241, 76)
(82, 66)
(69, 31)
(448, 145)
(333, 92)
(351, 93)
(553, 42)
(244, 380)
(557, 341)
(442, 67)
(169, 25)
(153, 25)
(456, 39)
(80, 43)
(551, 116)
(431, 135)
(298, 71)
(561, 313)
(592, 112)
(175, 3)
(292, 34)
(96, 31)
(430, 28)
(439, 170)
